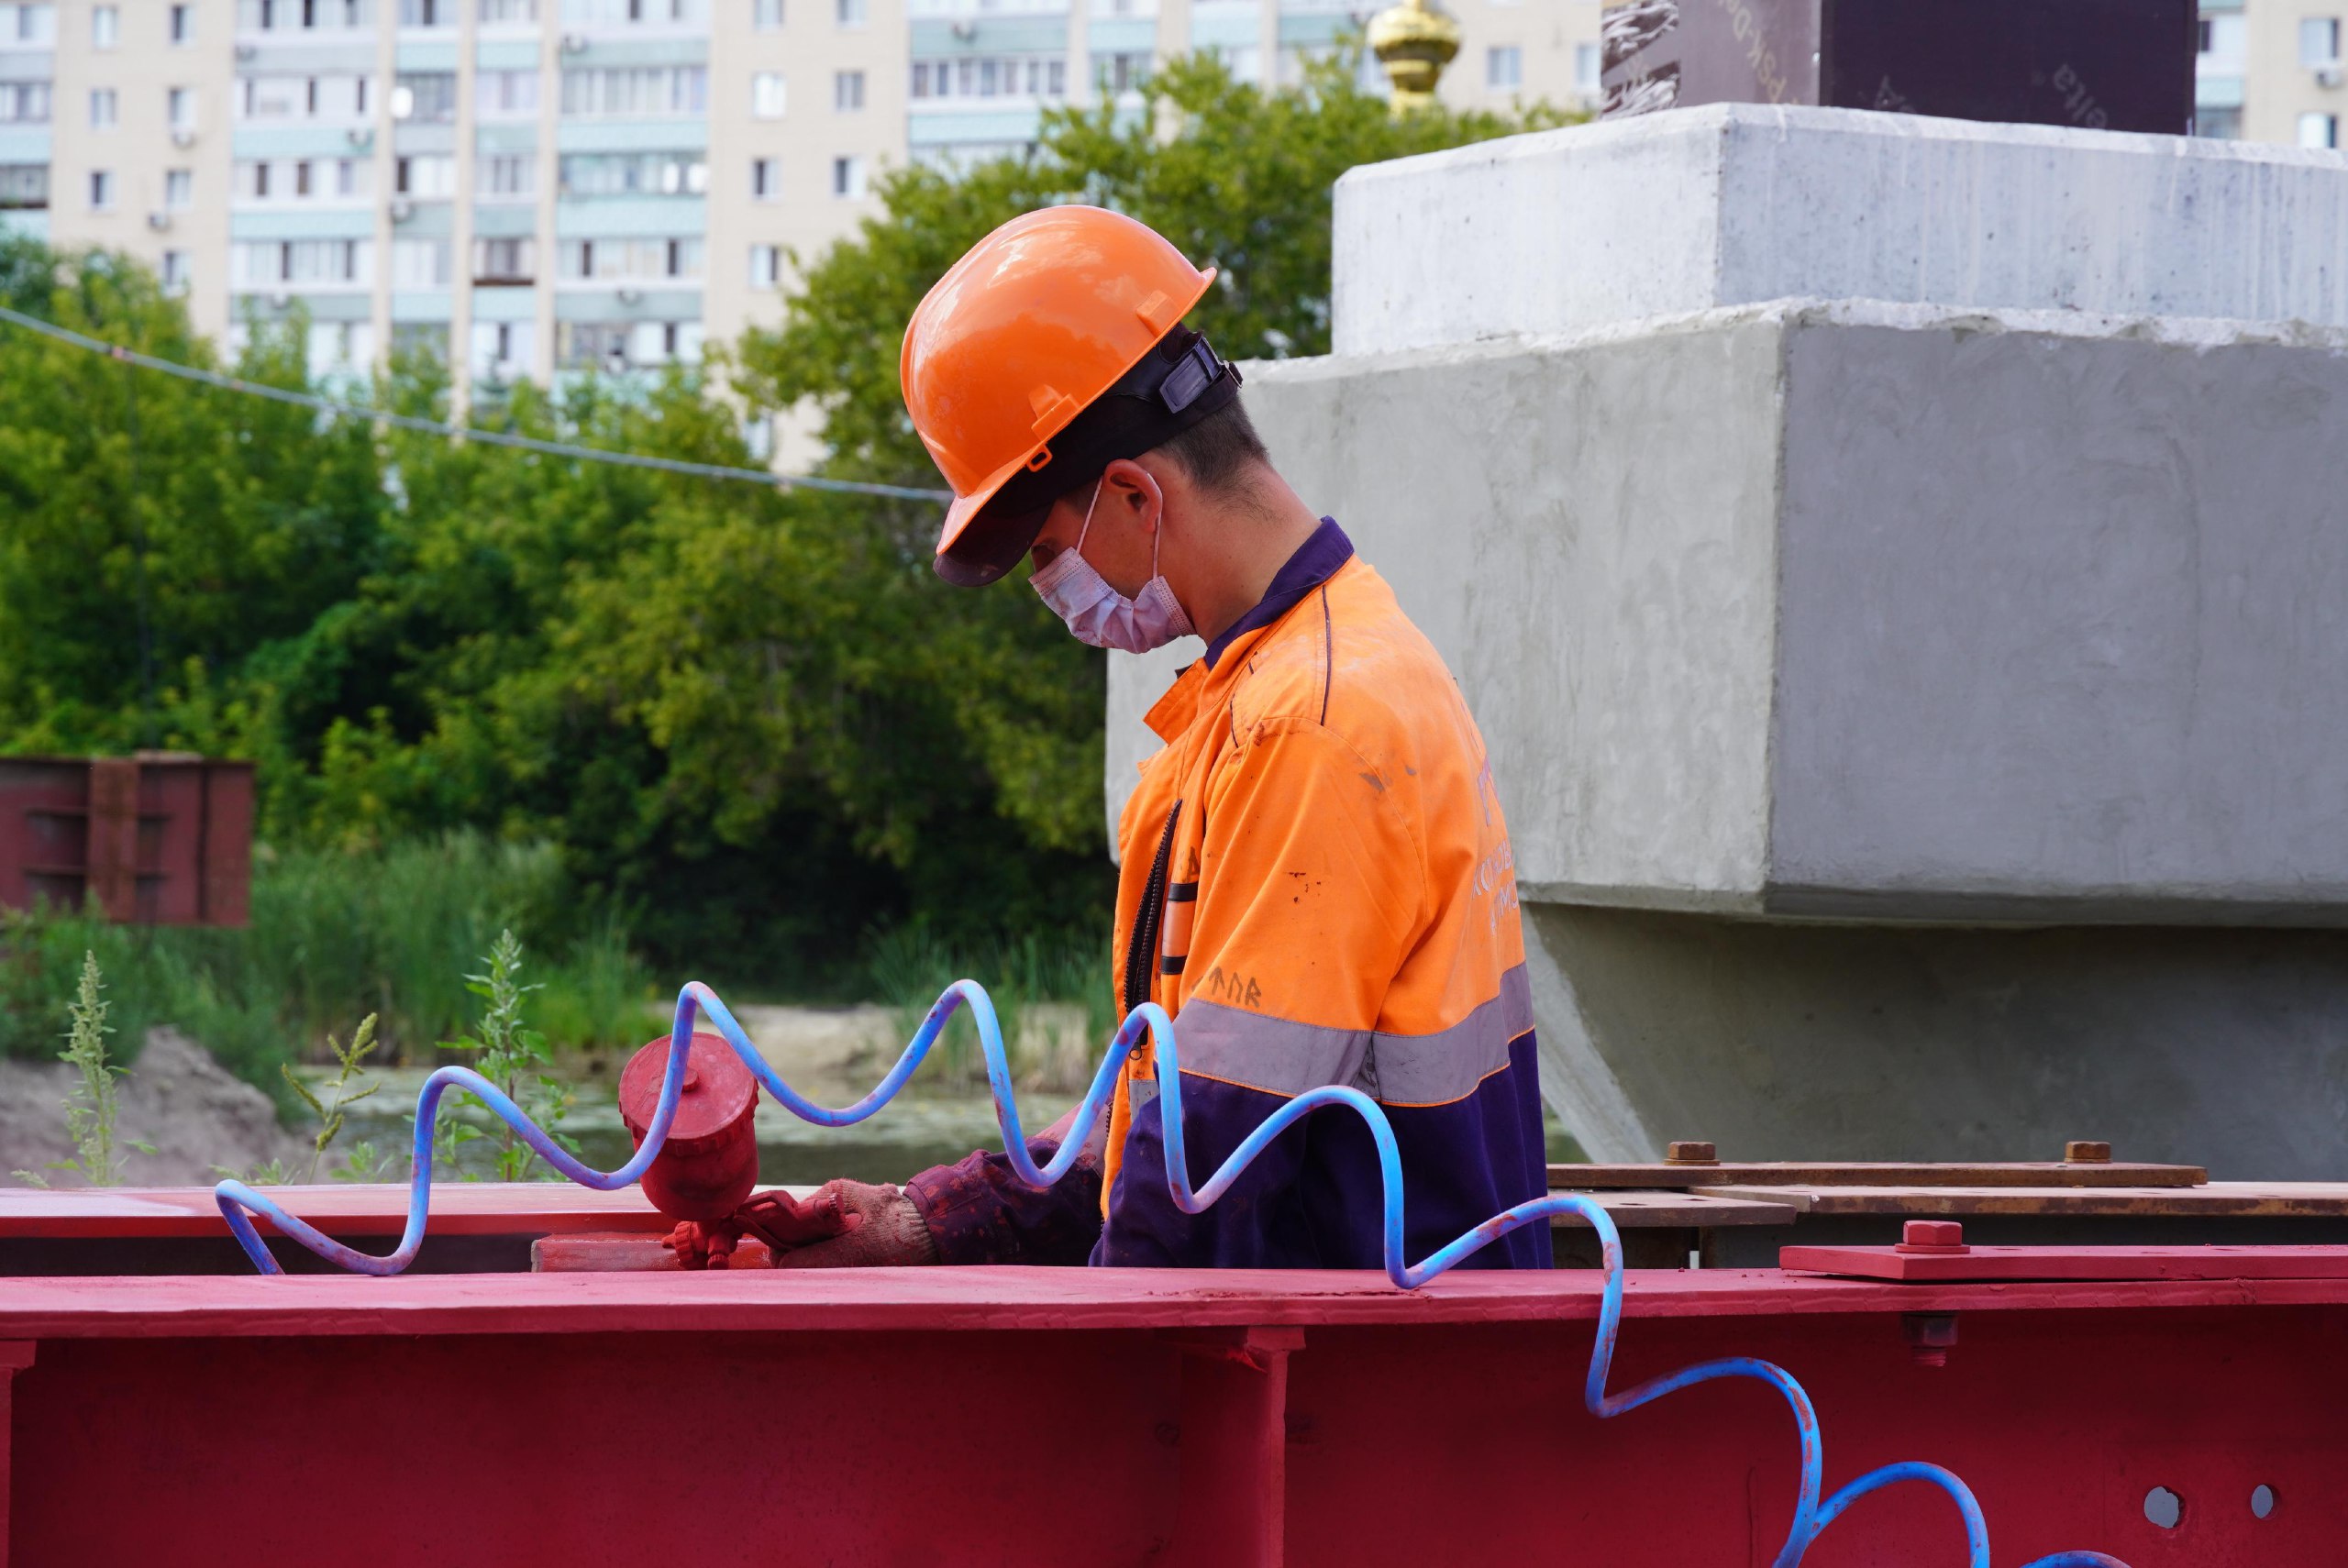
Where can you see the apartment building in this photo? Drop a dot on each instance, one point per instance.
(2272, 72)
(532, 186)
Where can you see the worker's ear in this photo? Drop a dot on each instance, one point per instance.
(1132, 494)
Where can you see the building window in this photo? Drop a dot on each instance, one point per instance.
(503, 95)
(179, 187)
(2320, 43)
(633, 174)
(427, 13)
(1505, 67)
(101, 190)
(24, 187)
(1588, 65)
(850, 13)
(106, 25)
(2318, 130)
(504, 260)
(766, 15)
(506, 174)
(766, 266)
(33, 24)
(766, 179)
(848, 177)
(847, 90)
(102, 108)
(355, 177)
(421, 174)
(419, 263)
(175, 271)
(426, 98)
(636, 92)
(181, 29)
(1120, 72)
(179, 108)
(767, 95)
(23, 103)
(494, 12)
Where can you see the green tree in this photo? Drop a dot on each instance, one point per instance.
(154, 527)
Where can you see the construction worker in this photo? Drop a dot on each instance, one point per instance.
(1315, 880)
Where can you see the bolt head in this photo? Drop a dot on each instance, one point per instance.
(2086, 1152)
(1691, 1153)
(1932, 1236)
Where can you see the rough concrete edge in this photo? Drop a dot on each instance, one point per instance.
(2167, 331)
(1575, 1081)
(1732, 120)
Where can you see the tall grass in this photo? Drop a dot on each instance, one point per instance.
(910, 965)
(334, 936)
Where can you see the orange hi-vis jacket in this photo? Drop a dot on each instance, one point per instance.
(1317, 886)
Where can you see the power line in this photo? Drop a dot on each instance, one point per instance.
(470, 433)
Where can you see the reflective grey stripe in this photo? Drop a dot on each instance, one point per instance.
(1287, 1058)
(1435, 1069)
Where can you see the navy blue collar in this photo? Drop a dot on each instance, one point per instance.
(1315, 562)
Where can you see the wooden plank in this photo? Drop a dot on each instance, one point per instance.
(1685, 1211)
(1868, 1172)
(2216, 1200)
(353, 1208)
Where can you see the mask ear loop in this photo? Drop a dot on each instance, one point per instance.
(1087, 527)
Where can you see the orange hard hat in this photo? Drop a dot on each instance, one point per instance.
(1011, 360)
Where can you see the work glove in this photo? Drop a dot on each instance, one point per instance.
(871, 1227)
(779, 1220)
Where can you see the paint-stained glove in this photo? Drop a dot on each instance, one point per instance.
(878, 1226)
(779, 1220)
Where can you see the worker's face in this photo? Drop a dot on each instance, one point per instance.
(1124, 538)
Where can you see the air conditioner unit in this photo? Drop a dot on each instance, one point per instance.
(279, 299)
(631, 295)
(246, 52)
(182, 136)
(159, 221)
(574, 43)
(360, 136)
(966, 31)
(2328, 75)
(402, 209)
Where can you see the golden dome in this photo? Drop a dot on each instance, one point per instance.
(1413, 43)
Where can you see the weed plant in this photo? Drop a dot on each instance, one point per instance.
(514, 1057)
(910, 965)
(335, 934)
(90, 1113)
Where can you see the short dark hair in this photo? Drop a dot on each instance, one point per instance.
(1216, 450)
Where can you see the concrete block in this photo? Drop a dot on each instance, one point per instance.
(1868, 613)
(1729, 205)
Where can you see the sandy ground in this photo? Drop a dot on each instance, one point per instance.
(176, 1096)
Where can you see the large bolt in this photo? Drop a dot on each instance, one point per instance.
(1931, 1236)
(1690, 1154)
(2086, 1152)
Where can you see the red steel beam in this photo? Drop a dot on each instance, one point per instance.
(1137, 1416)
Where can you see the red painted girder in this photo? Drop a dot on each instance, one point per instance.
(1975, 1263)
(489, 1207)
(129, 1306)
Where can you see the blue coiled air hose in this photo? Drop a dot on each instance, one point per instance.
(239, 1202)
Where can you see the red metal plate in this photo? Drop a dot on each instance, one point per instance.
(2071, 1263)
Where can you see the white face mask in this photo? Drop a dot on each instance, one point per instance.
(1099, 614)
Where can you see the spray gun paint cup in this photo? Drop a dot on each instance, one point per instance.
(709, 1162)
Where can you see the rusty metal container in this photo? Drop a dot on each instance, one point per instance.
(710, 1160)
(157, 838)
